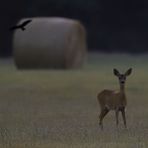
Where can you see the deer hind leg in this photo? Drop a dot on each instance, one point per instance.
(117, 119)
(123, 116)
(102, 115)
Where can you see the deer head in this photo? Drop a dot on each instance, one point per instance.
(122, 77)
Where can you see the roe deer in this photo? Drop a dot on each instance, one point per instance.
(114, 100)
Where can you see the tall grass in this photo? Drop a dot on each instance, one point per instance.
(59, 109)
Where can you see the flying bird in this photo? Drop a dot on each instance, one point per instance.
(21, 26)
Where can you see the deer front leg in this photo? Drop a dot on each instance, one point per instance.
(123, 116)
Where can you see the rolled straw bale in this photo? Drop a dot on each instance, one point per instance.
(50, 43)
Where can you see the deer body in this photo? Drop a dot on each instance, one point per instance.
(114, 100)
(111, 99)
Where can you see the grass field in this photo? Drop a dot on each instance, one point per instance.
(59, 109)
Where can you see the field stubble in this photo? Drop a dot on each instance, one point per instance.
(59, 109)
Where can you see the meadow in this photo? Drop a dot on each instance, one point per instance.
(59, 109)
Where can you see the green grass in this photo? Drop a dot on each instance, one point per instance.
(59, 109)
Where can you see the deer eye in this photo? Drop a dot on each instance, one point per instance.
(122, 78)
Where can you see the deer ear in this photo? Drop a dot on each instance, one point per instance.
(116, 72)
(128, 72)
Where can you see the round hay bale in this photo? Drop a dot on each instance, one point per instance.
(50, 43)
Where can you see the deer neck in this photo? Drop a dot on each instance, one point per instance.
(122, 93)
(122, 88)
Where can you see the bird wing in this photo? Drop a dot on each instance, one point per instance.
(25, 23)
(21, 25)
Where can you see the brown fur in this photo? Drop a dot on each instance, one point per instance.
(114, 100)
(111, 99)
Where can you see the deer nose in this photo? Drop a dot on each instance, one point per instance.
(122, 82)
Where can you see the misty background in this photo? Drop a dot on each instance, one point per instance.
(111, 25)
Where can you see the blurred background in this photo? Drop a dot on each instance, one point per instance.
(43, 107)
(112, 25)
